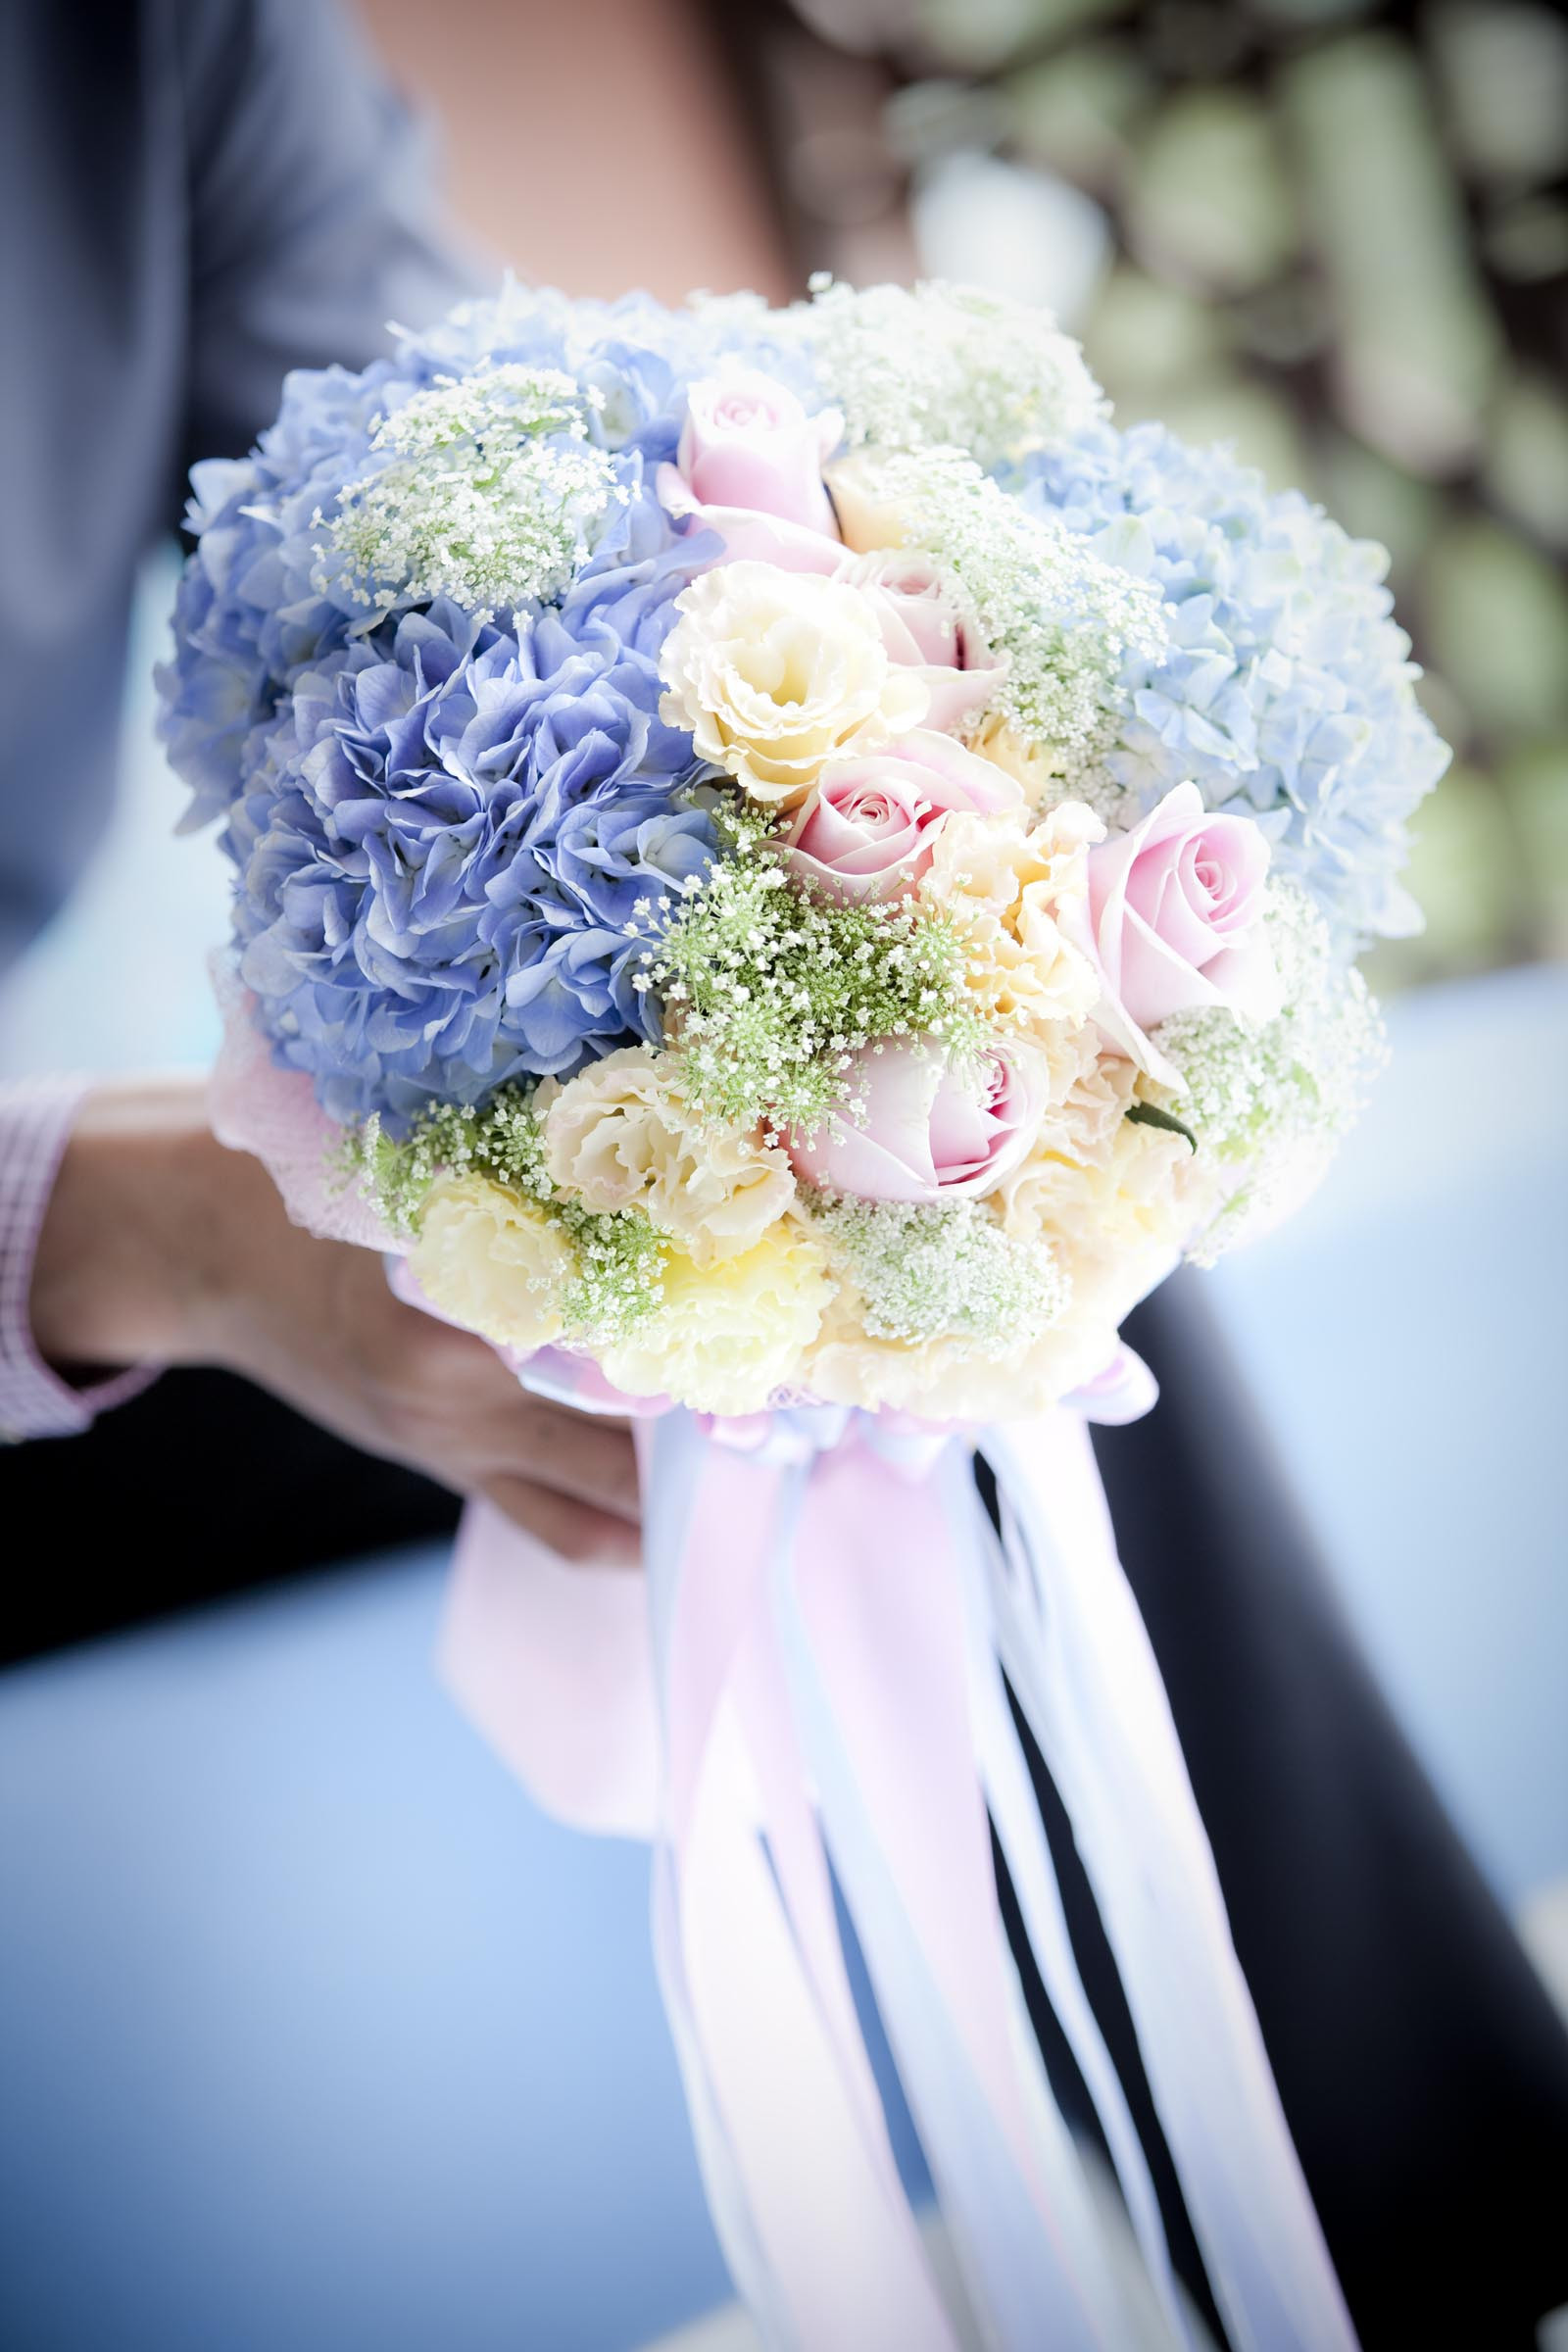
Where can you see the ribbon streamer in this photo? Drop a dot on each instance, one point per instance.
(804, 1688)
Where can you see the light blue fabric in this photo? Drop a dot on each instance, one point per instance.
(1404, 1337)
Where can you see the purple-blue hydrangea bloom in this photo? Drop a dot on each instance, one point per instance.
(443, 852)
(434, 930)
(1287, 694)
(249, 617)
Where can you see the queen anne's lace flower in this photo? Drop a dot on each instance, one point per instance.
(916, 366)
(486, 492)
(771, 991)
(946, 1270)
(1268, 1104)
(1065, 619)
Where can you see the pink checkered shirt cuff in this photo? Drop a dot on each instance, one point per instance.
(36, 1120)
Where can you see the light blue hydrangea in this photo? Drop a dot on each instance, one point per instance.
(1286, 692)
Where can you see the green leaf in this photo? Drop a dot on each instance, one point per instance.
(1149, 1114)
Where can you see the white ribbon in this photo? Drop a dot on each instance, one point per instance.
(809, 1689)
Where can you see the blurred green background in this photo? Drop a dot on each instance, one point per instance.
(1334, 234)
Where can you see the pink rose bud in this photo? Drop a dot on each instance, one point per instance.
(750, 467)
(1176, 911)
(927, 1131)
(866, 831)
(926, 626)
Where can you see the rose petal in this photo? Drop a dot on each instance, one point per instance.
(1175, 911)
(929, 1133)
(746, 537)
(964, 1132)
(747, 444)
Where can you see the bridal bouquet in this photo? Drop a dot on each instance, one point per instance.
(802, 862)
(785, 871)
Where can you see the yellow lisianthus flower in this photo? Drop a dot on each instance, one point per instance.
(493, 1260)
(729, 1334)
(1019, 889)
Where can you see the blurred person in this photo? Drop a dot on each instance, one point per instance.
(200, 194)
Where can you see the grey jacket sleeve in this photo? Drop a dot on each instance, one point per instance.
(312, 208)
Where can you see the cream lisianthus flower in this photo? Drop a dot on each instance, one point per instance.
(1119, 1201)
(1019, 889)
(1086, 1120)
(939, 1384)
(493, 1260)
(1105, 1269)
(622, 1135)
(775, 672)
(1130, 1197)
(950, 1380)
(728, 1335)
(934, 1379)
(1079, 1132)
(1077, 1350)
(1031, 766)
(869, 520)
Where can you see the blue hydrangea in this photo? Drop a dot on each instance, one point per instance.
(248, 619)
(440, 830)
(251, 611)
(1287, 694)
(445, 842)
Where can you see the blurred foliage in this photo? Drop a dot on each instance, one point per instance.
(1338, 236)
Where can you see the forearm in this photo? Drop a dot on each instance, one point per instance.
(136, 1242)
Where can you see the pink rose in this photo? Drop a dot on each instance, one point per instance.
(929, 1132)
(1176, 911)
(925, 628)
(750, 467)
(865, 832)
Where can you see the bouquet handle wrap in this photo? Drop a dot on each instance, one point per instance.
(808, 1685)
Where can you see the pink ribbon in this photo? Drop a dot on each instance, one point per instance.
(803, 1686)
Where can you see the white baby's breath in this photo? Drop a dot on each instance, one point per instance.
(943, 1270)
